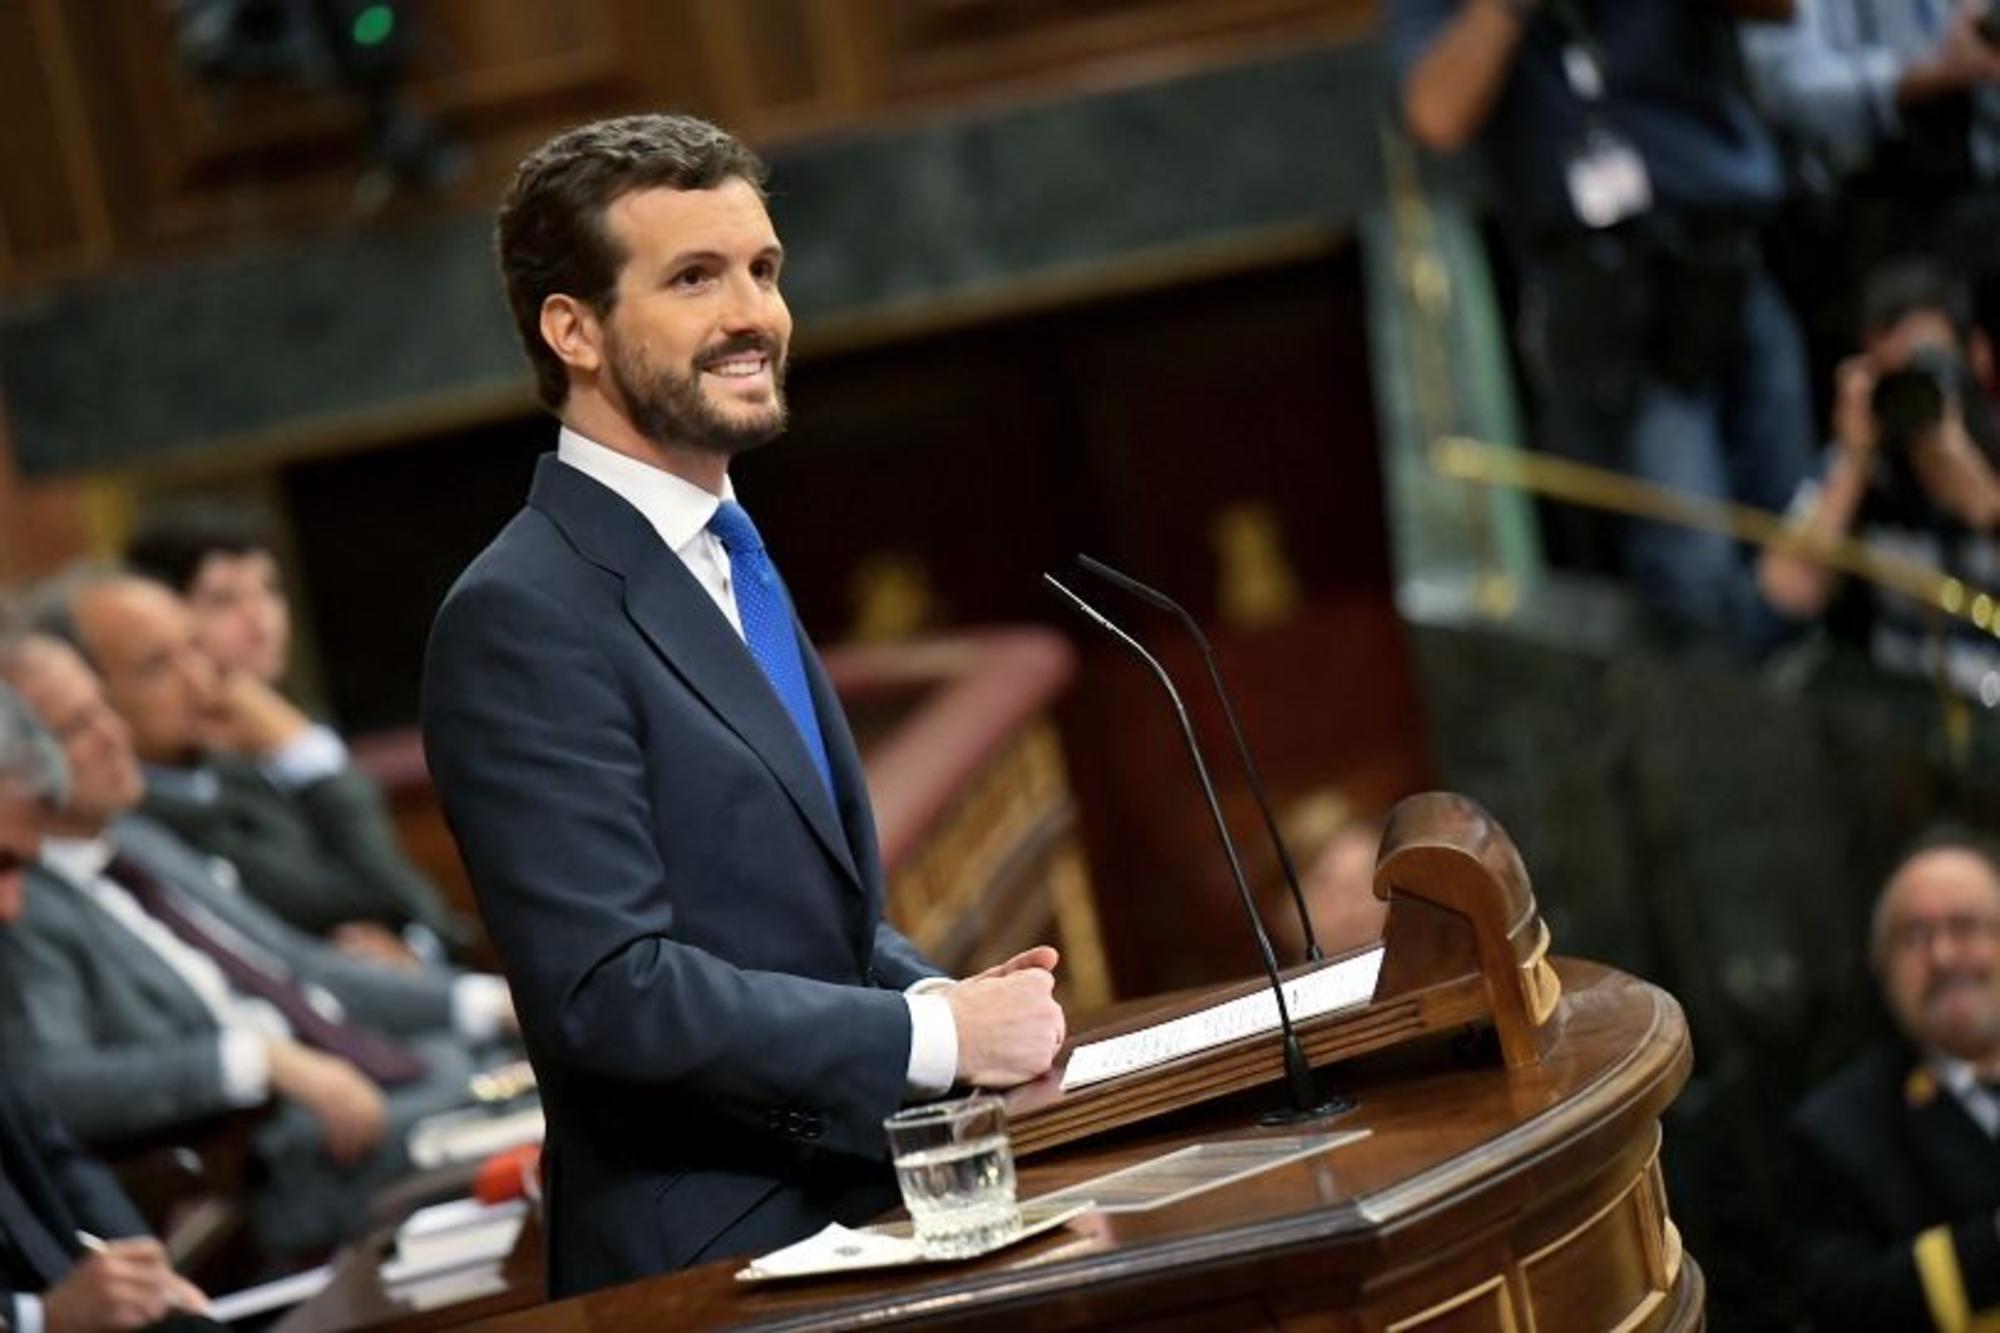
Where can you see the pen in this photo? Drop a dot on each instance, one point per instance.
(98, 1245)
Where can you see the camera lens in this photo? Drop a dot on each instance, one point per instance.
(1911, 403)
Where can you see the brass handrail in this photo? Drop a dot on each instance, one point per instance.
(1463, 458)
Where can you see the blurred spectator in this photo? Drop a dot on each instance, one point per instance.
(1632, 175)
(239, 772)
(1894, 106)
(1336, 844)
(1911, 472)
(223, 563)
(51, 1193)
(1891, 109)
(141, 992)
(1896, 1211)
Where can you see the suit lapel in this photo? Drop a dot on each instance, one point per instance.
(153, 982)
(29, 1232)
(683, 625)
(1955, 1157)
(850, 781)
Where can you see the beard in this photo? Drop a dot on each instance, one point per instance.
(1959, 1013)
(670, 408)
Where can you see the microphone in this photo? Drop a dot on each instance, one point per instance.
(1166, 603)
(1306, 1101)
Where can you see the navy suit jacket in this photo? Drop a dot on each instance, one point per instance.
(49, 1190)
(691, 924)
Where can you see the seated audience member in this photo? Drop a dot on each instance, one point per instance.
(1632, 176)
(222, 562)
(139, 991)
(1911, 472)
(1897, 1198)
(240, 773)
(51, 1191)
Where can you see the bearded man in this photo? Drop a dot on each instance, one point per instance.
(1897, 1158)
(649, 778)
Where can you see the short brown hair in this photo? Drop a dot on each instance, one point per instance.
(550, 234)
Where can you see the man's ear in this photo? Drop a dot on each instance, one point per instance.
(573, 332)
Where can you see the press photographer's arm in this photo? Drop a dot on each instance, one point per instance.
(1794, 582)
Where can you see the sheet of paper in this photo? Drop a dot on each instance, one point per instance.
(839, 1249)
(268, 1296)
(1338, 986)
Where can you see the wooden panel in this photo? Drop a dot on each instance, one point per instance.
(50, 204)
(1485, 1308)
(168, 162)
(128, 155)
(1603, 1274)
(929, 47)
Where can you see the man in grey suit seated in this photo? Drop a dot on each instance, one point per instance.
(51, 1191)
(235, 769)
(139, 990)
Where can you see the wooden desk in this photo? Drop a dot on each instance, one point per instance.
(1484, 1198)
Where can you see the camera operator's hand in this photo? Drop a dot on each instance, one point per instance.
(1854, 425)
(1964, 57)
(1955, 474)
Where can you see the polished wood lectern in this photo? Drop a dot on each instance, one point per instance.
(1509, 1178)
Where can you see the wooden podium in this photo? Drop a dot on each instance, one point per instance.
(1505, 1183)
(1508, 1179)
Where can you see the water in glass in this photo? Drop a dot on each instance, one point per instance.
(961, 1195)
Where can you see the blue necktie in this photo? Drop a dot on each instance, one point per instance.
(767, 624)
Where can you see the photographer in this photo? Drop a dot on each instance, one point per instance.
(1911, 471)
(1892, 111)
(1894, 102)
(1632, 176)
(1863, 84)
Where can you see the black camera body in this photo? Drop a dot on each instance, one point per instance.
(1910, 403)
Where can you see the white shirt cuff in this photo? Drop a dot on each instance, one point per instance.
(933, 1042)
(27, 1314)
(1880, 70)
(480, 1004)
(316, 753)
(246, 1068)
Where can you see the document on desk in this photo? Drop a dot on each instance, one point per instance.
(282, 1294)
(1341, 985)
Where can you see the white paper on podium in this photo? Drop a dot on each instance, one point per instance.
(1337, 986)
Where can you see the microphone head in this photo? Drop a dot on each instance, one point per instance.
(1119, 579)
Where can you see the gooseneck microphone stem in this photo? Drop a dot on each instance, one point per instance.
(1306, 1101)
(1145, 593)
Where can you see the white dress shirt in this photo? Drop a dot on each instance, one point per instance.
(479, 1003)
(1961, 1080)
(245, 1024)
(679, 511)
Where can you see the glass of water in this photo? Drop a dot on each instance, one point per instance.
(956, 1171)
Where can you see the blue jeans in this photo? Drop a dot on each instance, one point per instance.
(1746, 437)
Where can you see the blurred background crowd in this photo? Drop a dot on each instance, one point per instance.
(1585, 405)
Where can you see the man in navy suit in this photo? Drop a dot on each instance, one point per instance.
(650, 780)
